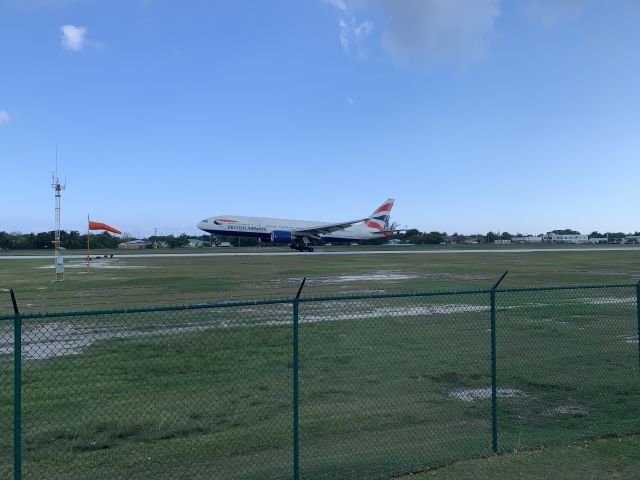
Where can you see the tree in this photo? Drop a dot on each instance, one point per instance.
(412, 235)
(566, 231)
(5, 240)
(615, 237)
(104, 240)
(72, 240)
(434, 238)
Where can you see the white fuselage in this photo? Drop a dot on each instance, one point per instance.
(262, 227)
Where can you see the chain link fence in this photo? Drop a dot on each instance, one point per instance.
(367, 387)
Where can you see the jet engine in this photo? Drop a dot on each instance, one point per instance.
(281, 236)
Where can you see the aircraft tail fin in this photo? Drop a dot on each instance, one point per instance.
(379, 219)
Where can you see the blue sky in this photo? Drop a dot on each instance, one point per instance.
(475, 115)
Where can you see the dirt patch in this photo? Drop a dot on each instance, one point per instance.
(59, 339)
(607, 273)
(381, 312)
(456, 276)
(573, 410)
(381, 276)
(554, 321)
(475, 394)
(610, 301)
(99, 265)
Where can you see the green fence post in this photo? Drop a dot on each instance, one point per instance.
(638, 317)
(296, 445)
(494, 372)
(296, 386)
(17, 390)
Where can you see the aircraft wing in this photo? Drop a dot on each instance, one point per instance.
(324, 229)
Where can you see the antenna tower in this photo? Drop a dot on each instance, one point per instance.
(58, 260)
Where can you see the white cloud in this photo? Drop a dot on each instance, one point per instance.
(4, 117)
(353, 34)
(41, 4)
(424, 31)
(73, 38)
(549, 12)
(339, 4)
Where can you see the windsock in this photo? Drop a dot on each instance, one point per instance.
(103, 226)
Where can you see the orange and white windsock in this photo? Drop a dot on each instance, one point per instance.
(103, 226)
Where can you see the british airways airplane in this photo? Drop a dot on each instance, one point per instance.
(299, 233)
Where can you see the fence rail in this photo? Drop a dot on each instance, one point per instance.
(349, 386)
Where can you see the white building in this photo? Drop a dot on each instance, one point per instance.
(555, 238)
(598, 240)
(195, 243)
(631, 239)
(135, 245)
(501, 242)
(527, 239)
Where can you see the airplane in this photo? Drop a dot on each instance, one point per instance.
(299, 233)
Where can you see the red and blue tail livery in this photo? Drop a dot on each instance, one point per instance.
(380, 218)
(300, 233)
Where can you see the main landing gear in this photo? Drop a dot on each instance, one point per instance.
(301, 247)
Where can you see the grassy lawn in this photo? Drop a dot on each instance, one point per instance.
(266, 247)
(387, 386)
(601, 459)
(126, 281)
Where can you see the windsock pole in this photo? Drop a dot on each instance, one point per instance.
(88, 254)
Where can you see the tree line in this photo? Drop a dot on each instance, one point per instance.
(74, 240)
(69, 240)
(435, 238)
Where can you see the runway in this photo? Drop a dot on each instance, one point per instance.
(338, 252)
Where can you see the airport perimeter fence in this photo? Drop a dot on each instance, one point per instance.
(339, 387)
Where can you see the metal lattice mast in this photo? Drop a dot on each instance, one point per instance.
(58, 261)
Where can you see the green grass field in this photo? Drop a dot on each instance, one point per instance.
(600, 459)
(126, 281)
(388, 386)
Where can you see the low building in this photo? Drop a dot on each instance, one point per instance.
(459, 239)
(195, 243)
(577, 238)
(631, 239)
(527, 239)
(135, 245)
(502, 241)
(598, 240)
(396, 242)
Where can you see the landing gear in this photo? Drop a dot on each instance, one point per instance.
(301, 247)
